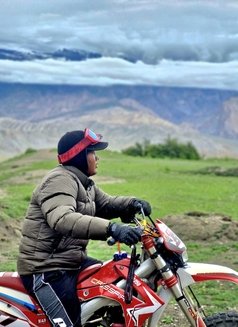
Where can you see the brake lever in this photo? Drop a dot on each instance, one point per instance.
(140, 221)
(142, 212)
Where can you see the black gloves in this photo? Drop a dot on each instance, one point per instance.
(135, 207)
(138, 204)
(124, 233)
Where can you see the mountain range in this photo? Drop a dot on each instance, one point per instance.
(35, 116)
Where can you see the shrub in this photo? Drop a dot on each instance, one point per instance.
(30, 151)
(170, 149)
(135, 151)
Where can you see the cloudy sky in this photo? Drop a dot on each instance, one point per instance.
(172, 42)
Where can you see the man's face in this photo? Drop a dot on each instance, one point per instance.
(92, 160)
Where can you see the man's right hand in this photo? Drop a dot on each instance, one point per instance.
(124, 233)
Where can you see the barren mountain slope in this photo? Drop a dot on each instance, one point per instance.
(121, 127)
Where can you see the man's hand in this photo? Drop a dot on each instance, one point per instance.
(134, 208)
(137, 204)
(124, 233)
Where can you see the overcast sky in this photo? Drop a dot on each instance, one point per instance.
(176, 43)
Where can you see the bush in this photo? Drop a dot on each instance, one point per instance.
(135, 151)
(30, 151)
(170, 149)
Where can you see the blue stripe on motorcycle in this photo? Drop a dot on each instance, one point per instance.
(30, 306)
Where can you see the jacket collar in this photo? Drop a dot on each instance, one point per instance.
(81, 176)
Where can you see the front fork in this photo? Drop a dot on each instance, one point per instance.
(171, 282)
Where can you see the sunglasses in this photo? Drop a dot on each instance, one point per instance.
(89, 138)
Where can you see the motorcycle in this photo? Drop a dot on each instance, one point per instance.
(129, 290)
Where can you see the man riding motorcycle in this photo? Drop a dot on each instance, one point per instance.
(66, 210)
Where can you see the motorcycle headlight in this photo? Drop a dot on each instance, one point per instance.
(185, 255)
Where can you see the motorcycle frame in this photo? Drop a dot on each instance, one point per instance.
(189, 275)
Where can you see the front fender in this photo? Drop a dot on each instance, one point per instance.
(200, 272)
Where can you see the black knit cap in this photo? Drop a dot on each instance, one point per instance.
(68, 140)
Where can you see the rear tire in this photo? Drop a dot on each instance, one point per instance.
(222, 319)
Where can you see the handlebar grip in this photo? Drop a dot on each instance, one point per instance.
(111, 241)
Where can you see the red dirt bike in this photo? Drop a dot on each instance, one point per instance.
(129, 291)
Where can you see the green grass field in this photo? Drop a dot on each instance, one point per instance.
(171, 186)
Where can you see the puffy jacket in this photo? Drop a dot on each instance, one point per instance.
(63, 214)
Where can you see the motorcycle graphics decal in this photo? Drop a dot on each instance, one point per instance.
(6, 321)
(11, 274)
(140, 308)
(172, 241)
(12, 289)
(18, 318)
(108, 288)
(11, 321)
(14, 296)
(146, 309)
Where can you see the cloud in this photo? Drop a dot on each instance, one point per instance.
(193, 42)
(107, 71)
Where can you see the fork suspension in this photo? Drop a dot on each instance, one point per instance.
(170, 281)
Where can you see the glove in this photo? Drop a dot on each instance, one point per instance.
(135, 207)
(138, 204)
(124, 233)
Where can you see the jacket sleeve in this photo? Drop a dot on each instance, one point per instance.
(111, 206)
(57, 199)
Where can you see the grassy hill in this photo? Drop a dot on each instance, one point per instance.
(198, 199)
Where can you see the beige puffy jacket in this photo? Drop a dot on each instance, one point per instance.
(64, 213)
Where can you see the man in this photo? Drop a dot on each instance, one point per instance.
(66, 210)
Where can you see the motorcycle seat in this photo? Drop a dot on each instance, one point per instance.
(12, 280)
(88, 271)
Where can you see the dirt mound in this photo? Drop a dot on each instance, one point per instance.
(9, 230)
(196, 226)
(193, 226)
(10, 233)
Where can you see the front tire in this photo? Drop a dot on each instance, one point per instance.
(222, 319)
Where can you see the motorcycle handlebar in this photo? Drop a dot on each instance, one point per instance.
(111, 241)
